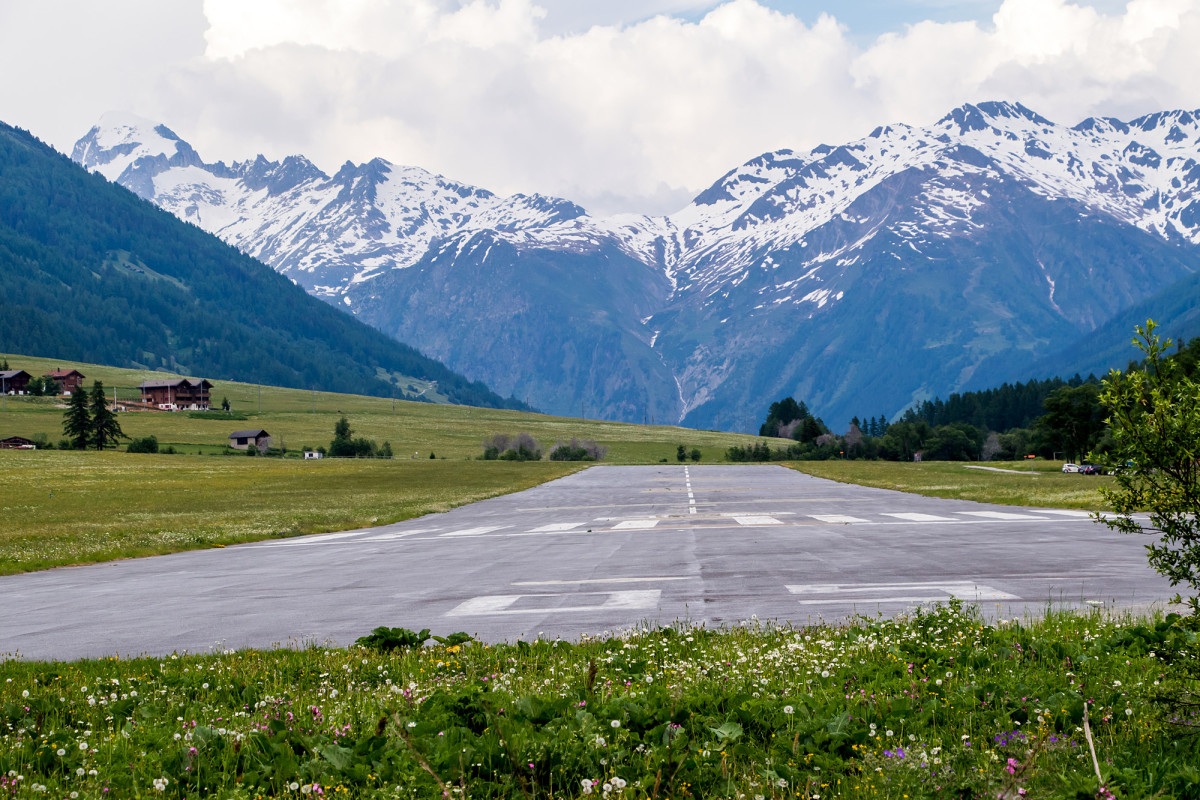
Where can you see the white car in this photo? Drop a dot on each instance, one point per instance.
(1071, 468)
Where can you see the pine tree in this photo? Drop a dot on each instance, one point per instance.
(105, 428)
(77, 421)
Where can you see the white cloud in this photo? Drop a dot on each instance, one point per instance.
(625, 116)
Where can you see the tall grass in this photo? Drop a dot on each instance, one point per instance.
(935, 704)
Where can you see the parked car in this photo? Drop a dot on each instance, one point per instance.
(1090, 469)
(1071, 468)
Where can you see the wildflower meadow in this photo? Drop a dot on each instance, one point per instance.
(938, 703)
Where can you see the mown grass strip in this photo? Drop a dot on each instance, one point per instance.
(64, 507)
(1042, 485)
(938, 704)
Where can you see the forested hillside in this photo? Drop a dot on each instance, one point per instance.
(90, 272)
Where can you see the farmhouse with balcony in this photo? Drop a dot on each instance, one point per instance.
(242, 440)
(17, 443)
(179, 394)
(68, 380)
(14, 381)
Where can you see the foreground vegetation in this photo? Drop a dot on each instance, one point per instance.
(1024, 483)
(939, 704)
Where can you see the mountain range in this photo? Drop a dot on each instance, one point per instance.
(861, 278)
(88, 272)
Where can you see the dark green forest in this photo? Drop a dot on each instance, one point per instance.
(1052, 418)
(91, 272)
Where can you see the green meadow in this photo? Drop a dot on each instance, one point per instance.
(1022, 483)
(937, 704)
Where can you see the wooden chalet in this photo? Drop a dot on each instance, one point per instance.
(179, 394)
(17, 443)
(69, 380)
(14, 381)
(242, 440)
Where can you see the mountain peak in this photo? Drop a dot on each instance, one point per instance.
(121, 141)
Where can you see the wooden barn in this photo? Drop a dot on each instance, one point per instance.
(14, 381)
(69, 380)
(178, 394)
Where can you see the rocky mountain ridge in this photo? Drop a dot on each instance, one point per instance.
(913, 262)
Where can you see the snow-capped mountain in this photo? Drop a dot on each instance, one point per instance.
(863, 277)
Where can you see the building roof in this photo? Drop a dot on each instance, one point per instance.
(64, 373)
(248, 434)
(14, 373)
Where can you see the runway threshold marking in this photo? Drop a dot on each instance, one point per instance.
(635, 524)
(914, 517)
(836, 518)
(476, 531)
(634, 599)
(912, 592)
(582, 581)
(397, 534)
(558, 526)
(757, 520)
(999, 515)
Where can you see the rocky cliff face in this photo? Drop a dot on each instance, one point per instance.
(862, 277)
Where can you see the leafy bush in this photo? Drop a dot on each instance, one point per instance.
(501, 446)
(386, 640)
(578, 450)
(148, 444)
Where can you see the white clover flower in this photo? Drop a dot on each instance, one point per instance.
(607, 787)
(25, 693)
(1129, 712)
(61, 752)
(616, 723)
(293, 786)
(619, 783)
(80, 772)
(83, 745)
(890, 733)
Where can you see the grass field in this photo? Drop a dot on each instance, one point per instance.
(1039, 483)
(297, 419)
(936, 705)
(77, 507)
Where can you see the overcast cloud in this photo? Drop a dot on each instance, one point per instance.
(603, 103)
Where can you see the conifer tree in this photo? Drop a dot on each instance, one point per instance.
(105, 428)
(77, 421)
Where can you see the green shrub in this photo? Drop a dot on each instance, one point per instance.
(148, 444)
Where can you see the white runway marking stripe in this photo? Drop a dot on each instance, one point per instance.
(397, 534)
(999, 515)
(476, 531)
(1064, 512)
(897, 592)
(913, 517)
(604, 580)
(635, 524)
(757, 520)
(502, 603)
(835, 518)
(558, 526)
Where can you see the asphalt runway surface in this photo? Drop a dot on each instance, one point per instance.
(605, 549)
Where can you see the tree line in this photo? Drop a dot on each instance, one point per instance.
(1047, 418)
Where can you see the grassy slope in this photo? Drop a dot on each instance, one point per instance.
(454, 432)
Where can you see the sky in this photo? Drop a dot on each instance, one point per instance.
(618, 105)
